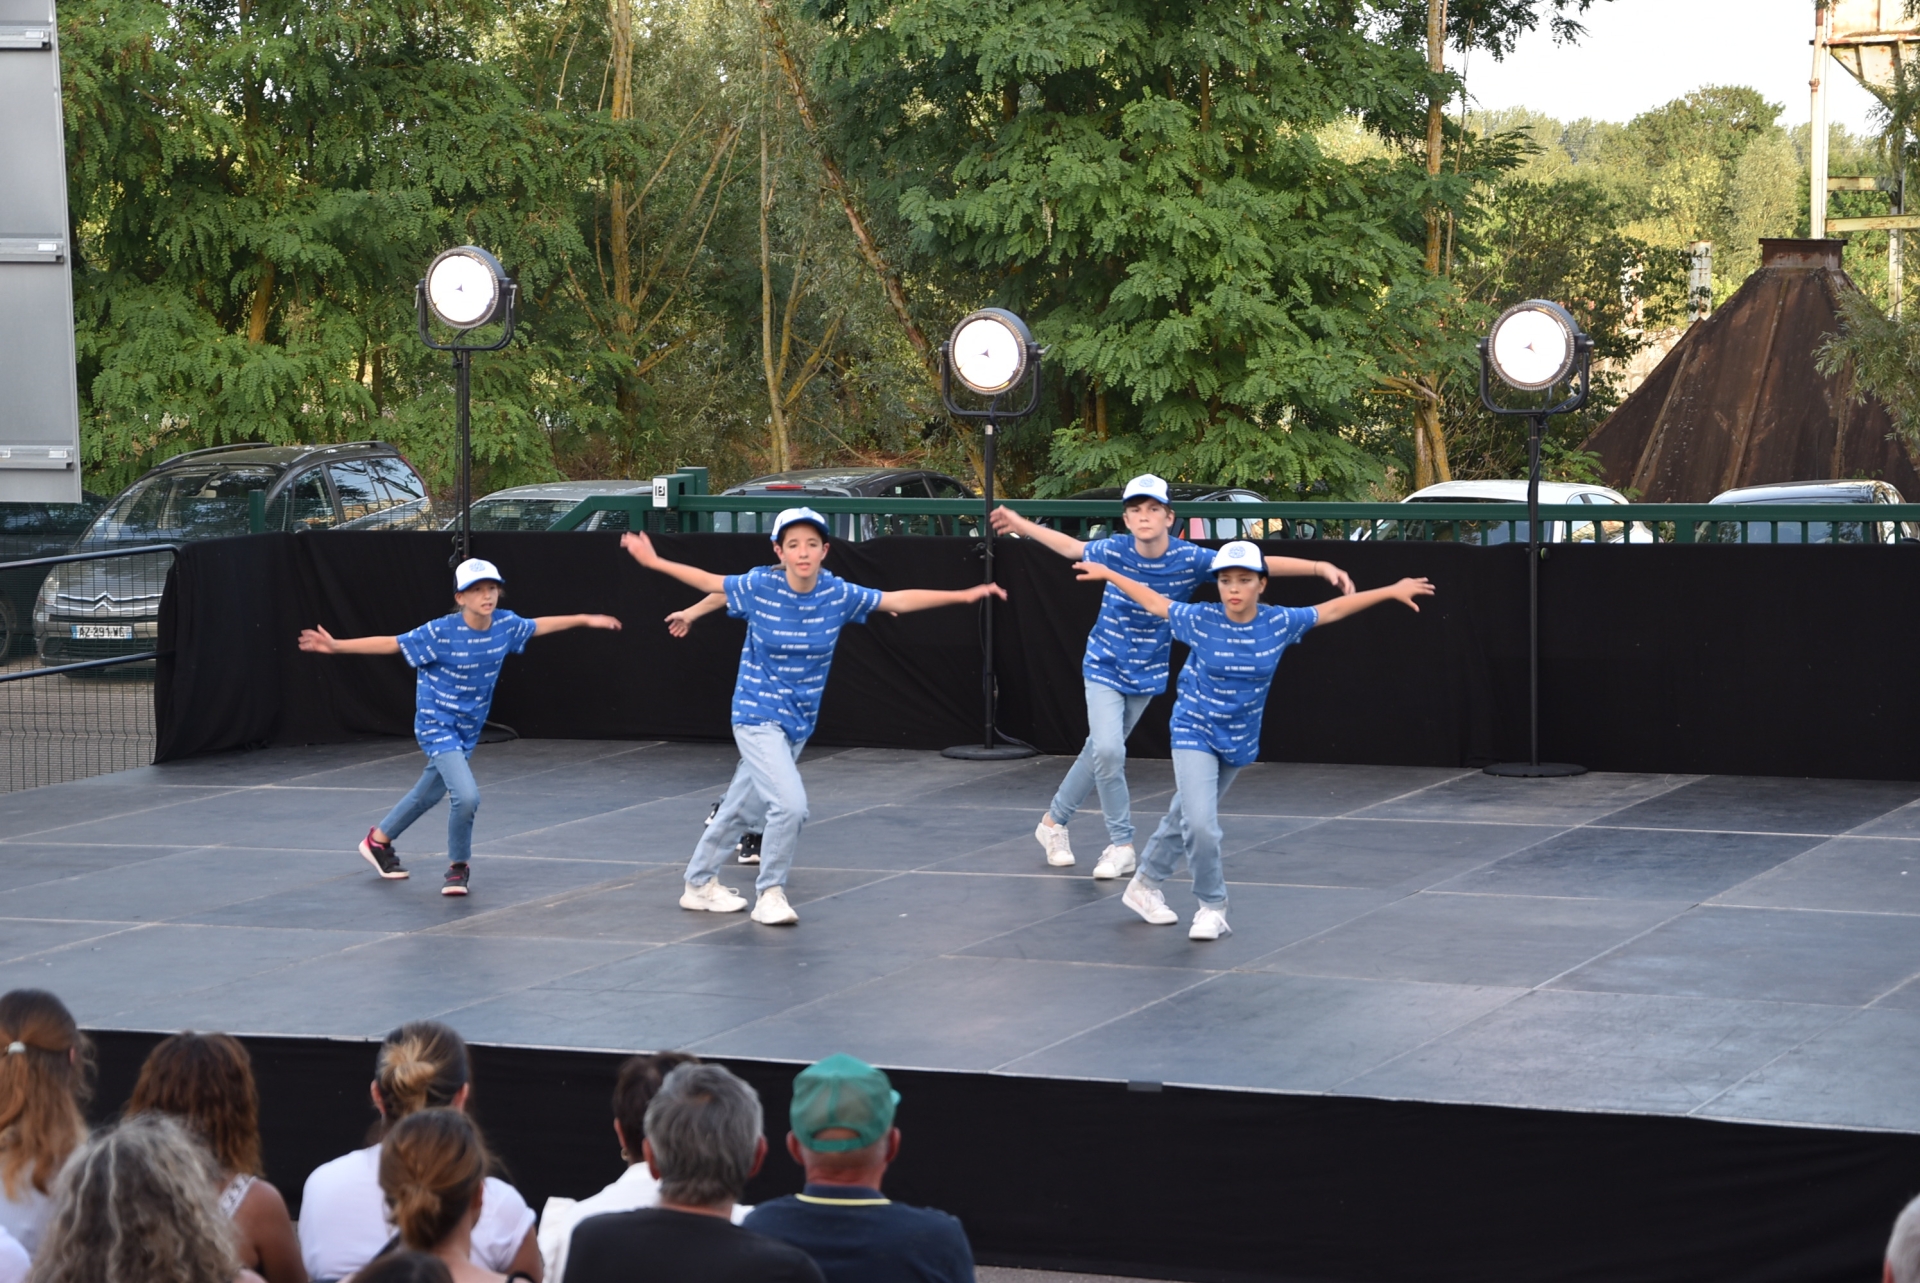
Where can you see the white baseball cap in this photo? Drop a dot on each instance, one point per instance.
(1240, 555)
(1146, 486)
(473, 571)
(790, 515)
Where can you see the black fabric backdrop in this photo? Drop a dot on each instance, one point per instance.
(1210, 1185)
(1787, 660)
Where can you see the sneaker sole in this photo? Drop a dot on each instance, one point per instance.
(701, 906)
(453, 890)
(791, 920)
(366, 853)
(747, 859)
(1224, 931)
(1167, 921)
(1107, 872)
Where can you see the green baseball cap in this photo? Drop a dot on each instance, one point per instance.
(842, 1091)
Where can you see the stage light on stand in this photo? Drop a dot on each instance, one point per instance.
(464, 289)
(1535, 347)
(991, 353)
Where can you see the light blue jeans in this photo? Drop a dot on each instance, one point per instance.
(1195, 817)
(767, 797)
(446, 773)
(1102, 764)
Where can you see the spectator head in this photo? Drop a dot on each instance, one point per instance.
(1903, 1246)
(639, 1081)
(842, 1118)
(433, 1167)
(45, 1063)
(405, 1267)
(703, 1138)
(423, 1065)
(206, 1081)
(137, 1202)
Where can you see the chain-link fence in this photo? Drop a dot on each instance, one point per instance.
(77, 638)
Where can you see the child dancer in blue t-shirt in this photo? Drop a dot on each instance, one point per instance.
(1234, 647)
(794, 615)
(458, 660)
(1128, 655)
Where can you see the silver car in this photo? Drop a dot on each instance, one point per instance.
(1812, 492)
(539, 507)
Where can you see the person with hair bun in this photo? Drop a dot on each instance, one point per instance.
(135, 1204)
(343, 1212)
(45, 1062)
(206, 1081)
(433, 1171)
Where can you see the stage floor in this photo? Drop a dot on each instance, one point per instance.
(1725, 947)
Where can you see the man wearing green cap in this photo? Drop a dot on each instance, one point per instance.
(843, 1134)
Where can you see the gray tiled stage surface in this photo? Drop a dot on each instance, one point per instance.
(1727, 947)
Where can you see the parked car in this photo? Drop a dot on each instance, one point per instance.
(859, 483)
(540, 507)
(29, 531)
(1515, 491)
(1810, 492)
(102, 609)
(1191, 527)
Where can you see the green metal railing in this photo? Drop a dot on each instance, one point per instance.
(1478, 523)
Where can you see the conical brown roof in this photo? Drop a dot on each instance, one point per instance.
(1739, 401)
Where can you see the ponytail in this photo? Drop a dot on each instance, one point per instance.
(432, 1164)
(45, 1062)
(423, 1065)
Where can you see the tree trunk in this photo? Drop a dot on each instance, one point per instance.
(776, 411)
(1430, 446)
(262, 305)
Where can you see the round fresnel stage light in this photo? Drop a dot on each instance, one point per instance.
(466, 287)
(1533, 345)
(989, 350)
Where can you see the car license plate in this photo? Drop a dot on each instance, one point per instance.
(103, 632)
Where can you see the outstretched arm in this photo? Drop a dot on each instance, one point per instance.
(641, 549)
(322, 642)
(1408, 591)
(680, 622)
(544, 624)
(1008, 522)
(908, 600)
(1150, 601)
(1297, 566)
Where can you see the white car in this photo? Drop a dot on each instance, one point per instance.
(539, 507)
(1497, 532)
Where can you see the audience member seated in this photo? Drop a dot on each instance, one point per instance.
(1903, 1247)
(45, 1064)
(703, 1144)
(136, 1204)
(406, 1267)
(640, 1078)
(206, 1081)
(343, 1219)
(843, 1134)
(433, 1172)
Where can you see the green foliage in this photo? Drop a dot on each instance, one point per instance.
(1883, 353)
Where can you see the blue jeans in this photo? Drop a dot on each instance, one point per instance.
(766, 796)
(446, 773)
(1102, 764)
(1203, 780)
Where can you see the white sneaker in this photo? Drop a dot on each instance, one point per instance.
(712, 898)
(772, 909)
(1148, 903)
(1054, 838)
(1209, 924)
(1116, 862)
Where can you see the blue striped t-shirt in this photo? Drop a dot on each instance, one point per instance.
(790, 641)
(1130, 649)
(457, 669)
(1223, 685)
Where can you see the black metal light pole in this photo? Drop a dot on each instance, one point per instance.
(994, 746)
(1575, 373)
(465, 288)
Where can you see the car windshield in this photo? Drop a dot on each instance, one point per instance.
(1462, 498)
(204, 502)
(519, 514)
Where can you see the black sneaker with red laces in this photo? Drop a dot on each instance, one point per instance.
(456, 883)
(380, 855)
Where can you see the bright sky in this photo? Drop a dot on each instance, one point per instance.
(1638, 54)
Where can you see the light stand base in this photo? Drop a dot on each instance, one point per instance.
(980, 753)
(1535, 770)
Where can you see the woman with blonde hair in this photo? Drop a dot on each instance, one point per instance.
(45, 1062)
(135, 1204)
(343, 1213)
(206, 1081)
(433, 1171)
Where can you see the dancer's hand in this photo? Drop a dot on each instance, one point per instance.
(1008, 522)
(978, 591)
(1093, 572)
(679, 623)
(318, 640)
(641, 548)
(1409, 591)
(607, 622)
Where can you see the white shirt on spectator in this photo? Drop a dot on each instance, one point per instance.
(25, 1213)
(343, 1218)
(636, 1188)
(14, 1262)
